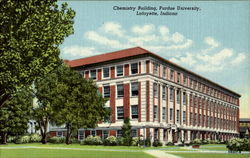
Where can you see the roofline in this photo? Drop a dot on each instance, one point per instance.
(193, 73)
(172, 63)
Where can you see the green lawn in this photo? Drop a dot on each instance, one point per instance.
(214, 147)
(58, 153)
(210, 155)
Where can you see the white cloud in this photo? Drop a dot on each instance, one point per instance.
(94, 36)
(177, 37)
(145, 29)
(238, 59)
(164, 30)
(76, 51)
(211, 42)
(113, 28)
(185, 45)
(188, 59)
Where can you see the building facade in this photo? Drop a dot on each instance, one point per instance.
(164, 101)
(245, 128)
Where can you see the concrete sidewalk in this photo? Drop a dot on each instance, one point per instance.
(160, 154)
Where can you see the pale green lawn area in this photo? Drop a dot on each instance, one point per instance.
(211, 155)
(86, 146)
(57, 153)
(214, 147)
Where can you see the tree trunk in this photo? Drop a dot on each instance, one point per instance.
(4, 99)
(68, 135)
(3, 138)
(43, 128)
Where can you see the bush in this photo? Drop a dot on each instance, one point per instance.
(22, 140)
(12, 139)
(75, 140)
(56, 140)
(169, 144)
(35, 138)
(148, 142)
(237, 144)
(90, 140)
(111, 141)
(157, 143)
(205, 141)
(196, 142)
(120, 141)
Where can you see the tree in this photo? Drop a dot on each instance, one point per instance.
(30, 35)
(126, 132)
(15, 117)
(66, 98)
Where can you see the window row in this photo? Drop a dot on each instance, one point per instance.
(134, 90)
(193, 84)
(106, 71)
(133, 112)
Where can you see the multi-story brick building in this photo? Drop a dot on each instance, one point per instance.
(163, 100)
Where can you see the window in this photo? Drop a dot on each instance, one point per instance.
(119, 133)
(178, 96)
(119, 70)
(93, 133)
(164, 72)
(134, 89)
(134, 68)
(120, 112)
(163, 113)
(191, 83)
(155, 134)
(133, 133)
(155, 88)
(184, 98)
(171, 114)
(105, 134)
(120, 90)
(82, 73)
(164, 92)
(178, 116)
(106, 91)
(93, 74)
(106, 119)
(134, 111)
(106, 72)
(184, 117)
(155, 70)
(171, 94)
(196, 118)
(59, 134)
(191, 118)
(172, 75)
(155, 112)
(81, 135)
(178, 78)
(184, 80)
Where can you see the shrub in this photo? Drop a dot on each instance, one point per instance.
(237, 144)
(120, 141)
(169, 144)
(157, 143)
(111, 141)
(22, 140)
(75, 140)
(205, 141)
(196, 141)
(136, 141)
(56, 140)
(12, 139)
(90, 140)
(148, 142)
(35, 138)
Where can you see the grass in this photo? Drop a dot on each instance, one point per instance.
(209, 155)
(221, 147)
(57, 153)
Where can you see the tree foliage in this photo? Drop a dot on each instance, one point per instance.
(30, 34)
(126, 132)
(70, 99)
(15, 116)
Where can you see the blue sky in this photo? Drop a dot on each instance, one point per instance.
(213, 41)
